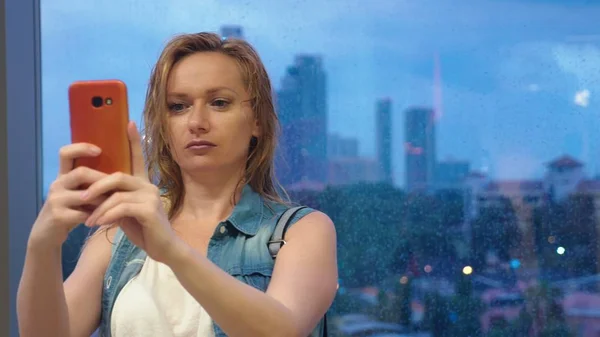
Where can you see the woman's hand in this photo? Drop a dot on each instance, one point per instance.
(135, 205)
(63, 209)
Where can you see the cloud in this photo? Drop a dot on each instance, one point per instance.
(552, 66)
(582, 98)
(335, 26)
(531, 65)
(516, 163)
(582, 60)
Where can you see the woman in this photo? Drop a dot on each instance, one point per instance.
(187, 256)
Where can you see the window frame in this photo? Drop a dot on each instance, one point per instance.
(21, 183)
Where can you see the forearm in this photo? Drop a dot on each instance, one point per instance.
(239, 309)
(41, 304)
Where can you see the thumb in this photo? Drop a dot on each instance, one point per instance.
(138, 164)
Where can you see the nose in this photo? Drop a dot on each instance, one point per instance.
(198, 119)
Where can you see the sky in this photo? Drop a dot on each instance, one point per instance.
(519, 79)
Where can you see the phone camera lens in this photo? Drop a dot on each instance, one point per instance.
(97, 101)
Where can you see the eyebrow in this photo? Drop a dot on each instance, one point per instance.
(210, 91)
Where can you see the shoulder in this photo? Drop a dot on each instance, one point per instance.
(304, 220)
(310, 224)
(275, 210)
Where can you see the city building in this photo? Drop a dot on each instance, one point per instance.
(302, 108)
(232, 31)
(451, 173)
(420, 148)
(352, 170)
(384, 139)
(338, 146)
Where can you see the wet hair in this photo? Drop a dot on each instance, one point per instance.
(162, 168)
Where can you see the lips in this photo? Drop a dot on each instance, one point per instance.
(199, 143)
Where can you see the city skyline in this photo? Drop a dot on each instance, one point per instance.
(530, 80)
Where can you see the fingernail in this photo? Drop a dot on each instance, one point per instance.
(95, 150)
(84, 195)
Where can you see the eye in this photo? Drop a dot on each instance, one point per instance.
(177, 107)
(220, 103)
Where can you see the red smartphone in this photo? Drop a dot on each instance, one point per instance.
(99, 113)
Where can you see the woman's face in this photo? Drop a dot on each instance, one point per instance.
(210, 119)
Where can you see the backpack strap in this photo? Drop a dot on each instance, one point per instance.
(277, 239)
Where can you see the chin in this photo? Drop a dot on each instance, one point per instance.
(205, 164)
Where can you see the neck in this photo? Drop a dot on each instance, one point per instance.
(210, 196)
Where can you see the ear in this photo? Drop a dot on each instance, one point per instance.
(256, 129)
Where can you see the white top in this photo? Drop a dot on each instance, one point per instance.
(154, 303)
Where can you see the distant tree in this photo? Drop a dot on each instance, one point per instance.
(464, 285)
(522, 325)
(545, 310)
(579, 235)
(547, 221)
(345, 303)
(467, 308)
(403, 302)
(396, 308)
(437, 315)
(427, 227)
(401, 256)
(495, 229)
(557, 330)
(384, 311)
(381, 230)
(570, 224)
(500, 332)
(500, 328)
(453, 210)
(367, 219)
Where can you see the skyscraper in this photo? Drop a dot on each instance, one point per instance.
(302, 107)
(419, 148)
(338, 146)
(451, 173)
(232, 31)
(384, 139)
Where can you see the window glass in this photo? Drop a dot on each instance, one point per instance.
(454, 144)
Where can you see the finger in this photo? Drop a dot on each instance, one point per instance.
(137, 154)
(73, 217)
(72, 200)
(115, 182)
(120, 211)
(99, 214)
(69, 153)
(81, 176)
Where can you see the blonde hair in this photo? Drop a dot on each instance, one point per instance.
(162, 168)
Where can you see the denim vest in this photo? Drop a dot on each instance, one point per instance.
(238, 246)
